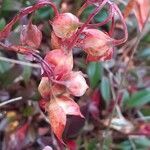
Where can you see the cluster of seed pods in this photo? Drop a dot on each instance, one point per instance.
(59, 83)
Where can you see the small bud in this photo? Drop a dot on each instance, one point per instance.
(59, 61)
(96, 44)
(76, 83)
(31, 36)
(55, 41)
(65, 25)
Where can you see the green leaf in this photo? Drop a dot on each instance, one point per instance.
(139, 99)
(95, 72)
(26, 73)
(2, 23)
(86, 12)
(11, 5)
(126, 145)
(28, 111)
(142, 142)
(92, 144)
(101, 16)
(105, 89)
(44, 13)
(4, 66)
(145, 53)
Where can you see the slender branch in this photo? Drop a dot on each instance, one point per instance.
(5, 32)
(19, 62)
(10, 101)
(108, 19)
(139, 36)
(118, 42)
(82, 9)
(75, 38)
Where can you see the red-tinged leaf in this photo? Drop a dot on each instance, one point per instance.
(72, 145)
(129, 8)
(141, 9)
(58, 108)
(31, 36)
(57, 118)
(95, 103)
(69, 106)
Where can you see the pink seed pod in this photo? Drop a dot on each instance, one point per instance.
(76, 83)
(55, 41)
(65, 25)
(60, 61)
(31, 36)
(96, 44)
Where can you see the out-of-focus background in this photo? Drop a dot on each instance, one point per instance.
(23, 124)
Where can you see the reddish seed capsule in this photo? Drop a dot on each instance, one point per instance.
(65, 25)
(96, 44)
(60, 61)
(31, 36)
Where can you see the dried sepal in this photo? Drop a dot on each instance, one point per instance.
(75, 83)
(60, 61)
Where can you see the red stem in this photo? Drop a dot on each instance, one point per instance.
(118, 42)
(109, 18)
(76, 36)
(82, 9)
(5, 32)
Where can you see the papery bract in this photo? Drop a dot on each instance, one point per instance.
(75, 83)
(58, 108)
(46, 90)
(65, 25)
(44, 87)
(31, 36)
(60, 61)
(96, 44)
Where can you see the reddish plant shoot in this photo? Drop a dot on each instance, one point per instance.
(59, 82)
